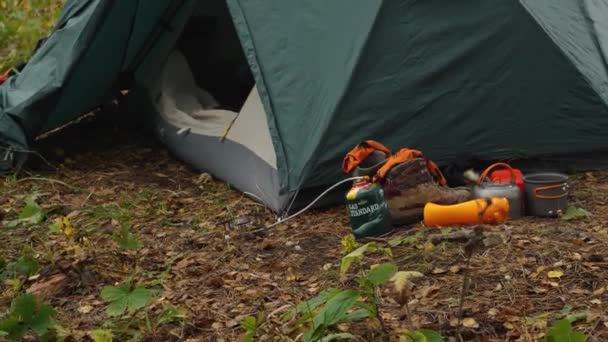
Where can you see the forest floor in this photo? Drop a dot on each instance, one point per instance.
(117, 208)
(22, 24)
(123, 241)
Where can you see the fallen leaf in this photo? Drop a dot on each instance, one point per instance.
(574, 213)
(438, 270)
(429, 291)
(493, 312)
(455, 269)
(596, 301)
(470, 323)
(401, 282)
(85, 309)
(554, 284)
(599, 291)
(49, 287)
(467, 323)
(580, 291)
(508, 326)
(555, 274)
(577, 256)
(232, 323)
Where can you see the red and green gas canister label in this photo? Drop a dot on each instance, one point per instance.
(369, 214)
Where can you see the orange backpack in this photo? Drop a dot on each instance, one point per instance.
(367, 147)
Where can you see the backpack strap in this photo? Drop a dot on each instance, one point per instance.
(360, 152)
(404, 155)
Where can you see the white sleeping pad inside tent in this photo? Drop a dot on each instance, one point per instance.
(192, 127)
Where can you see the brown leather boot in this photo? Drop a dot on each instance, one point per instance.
(409, 186)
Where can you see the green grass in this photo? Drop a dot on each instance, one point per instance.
(22, 24)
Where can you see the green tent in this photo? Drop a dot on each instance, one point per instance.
(493, 79)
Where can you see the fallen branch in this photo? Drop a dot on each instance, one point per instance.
(489, 239)
(50, 180)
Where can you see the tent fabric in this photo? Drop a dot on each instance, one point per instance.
(496, 79)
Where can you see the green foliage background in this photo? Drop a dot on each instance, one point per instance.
(22, 24)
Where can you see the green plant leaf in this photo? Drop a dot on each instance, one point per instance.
(349, 243)
(312, 303)
(25, 314)
(561, 331)
(117, 307)
(357, 254)
(381, 273)
(12, 328)
(338, 336)
(101, 335)
(27, 266)
(23, 307)
(15, 283)
(336, 308)
(139, 298)
(111, 293)
(127, 240)
(169, 315)
(357, 315)
(42, 320)
(249, 323)
(574, 213)
(32, 213)
(122, 298)
(430, 335)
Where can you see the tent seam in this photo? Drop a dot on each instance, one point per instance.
(563, 54)
(340, 102)
(147, 46)
(130, 40)
(282, 163)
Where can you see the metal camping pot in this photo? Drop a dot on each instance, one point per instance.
(546, 194)
(510, 191)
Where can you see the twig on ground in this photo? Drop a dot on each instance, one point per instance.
(50, 180)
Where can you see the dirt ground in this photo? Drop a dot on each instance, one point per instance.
(218, 272)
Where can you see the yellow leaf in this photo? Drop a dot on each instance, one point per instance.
(555, 274)
(402, 278)
(69, 230)
(85, 309)
(428, 247)
(554, 284)
(470, 323)
(3, 4)
(455, 269)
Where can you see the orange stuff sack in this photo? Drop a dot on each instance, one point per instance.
(404, 155)
(478, 211)
(358, 154)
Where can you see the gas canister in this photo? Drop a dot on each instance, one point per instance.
(369, 214)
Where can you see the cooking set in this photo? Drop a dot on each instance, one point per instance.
(543, 194)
